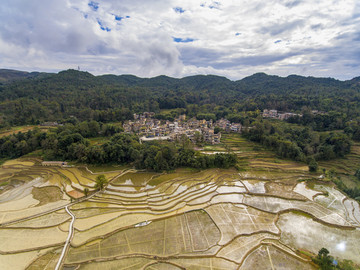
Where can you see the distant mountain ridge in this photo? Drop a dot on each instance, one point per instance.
(27, 97)
(10, 75)
(259, 83)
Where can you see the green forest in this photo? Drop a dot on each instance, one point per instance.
(108, 98)
(89, 104)
(299, 143)
(69, 142)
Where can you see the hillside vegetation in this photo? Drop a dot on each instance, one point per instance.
(55, 97)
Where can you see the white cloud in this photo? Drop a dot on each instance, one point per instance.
(231, 38)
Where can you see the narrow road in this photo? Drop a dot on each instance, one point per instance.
(71, 232)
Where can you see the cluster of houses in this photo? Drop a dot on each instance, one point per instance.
(276, 114)
(55, 163)
(150, 128)
(50, 124)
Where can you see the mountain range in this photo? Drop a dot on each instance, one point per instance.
(26, 97)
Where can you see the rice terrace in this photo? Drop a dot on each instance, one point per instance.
(273, 213)
(180, 135)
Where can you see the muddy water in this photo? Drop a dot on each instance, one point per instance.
(302, 189)
(255, 186)
(302, 232)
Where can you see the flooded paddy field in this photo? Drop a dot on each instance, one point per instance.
(186, 219)
(304, 232)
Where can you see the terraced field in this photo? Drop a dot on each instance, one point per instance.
(212, 219)
(346, 165)
(23, 129)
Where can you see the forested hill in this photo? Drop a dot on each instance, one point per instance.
(9, 75)
(32, 97)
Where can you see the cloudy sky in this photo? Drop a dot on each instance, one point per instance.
(233, 38)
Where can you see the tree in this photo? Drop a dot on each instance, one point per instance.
(217, 130)
(199, 139)
(313, 166)
(160, 162)
(86, 191)
(357, 174)
(324, 260)
(184, 141)
(100, 182)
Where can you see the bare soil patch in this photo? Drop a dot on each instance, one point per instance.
(47, 194)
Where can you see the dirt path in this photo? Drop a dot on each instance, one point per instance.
(70, 235)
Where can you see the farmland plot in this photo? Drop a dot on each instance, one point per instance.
(212, 219)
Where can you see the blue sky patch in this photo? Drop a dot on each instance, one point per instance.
(94, 5)
(237, 34)
(277, 41)
(103, 27)
(179, 10)
(118, 18)
(183, 40)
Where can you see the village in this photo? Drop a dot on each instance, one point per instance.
(149, 128)
(286, 115)
(278, 115)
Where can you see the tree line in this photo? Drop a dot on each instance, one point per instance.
(69, 142)
(56, 97)
(299, 143)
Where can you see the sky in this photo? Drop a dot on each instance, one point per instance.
(232, 38)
